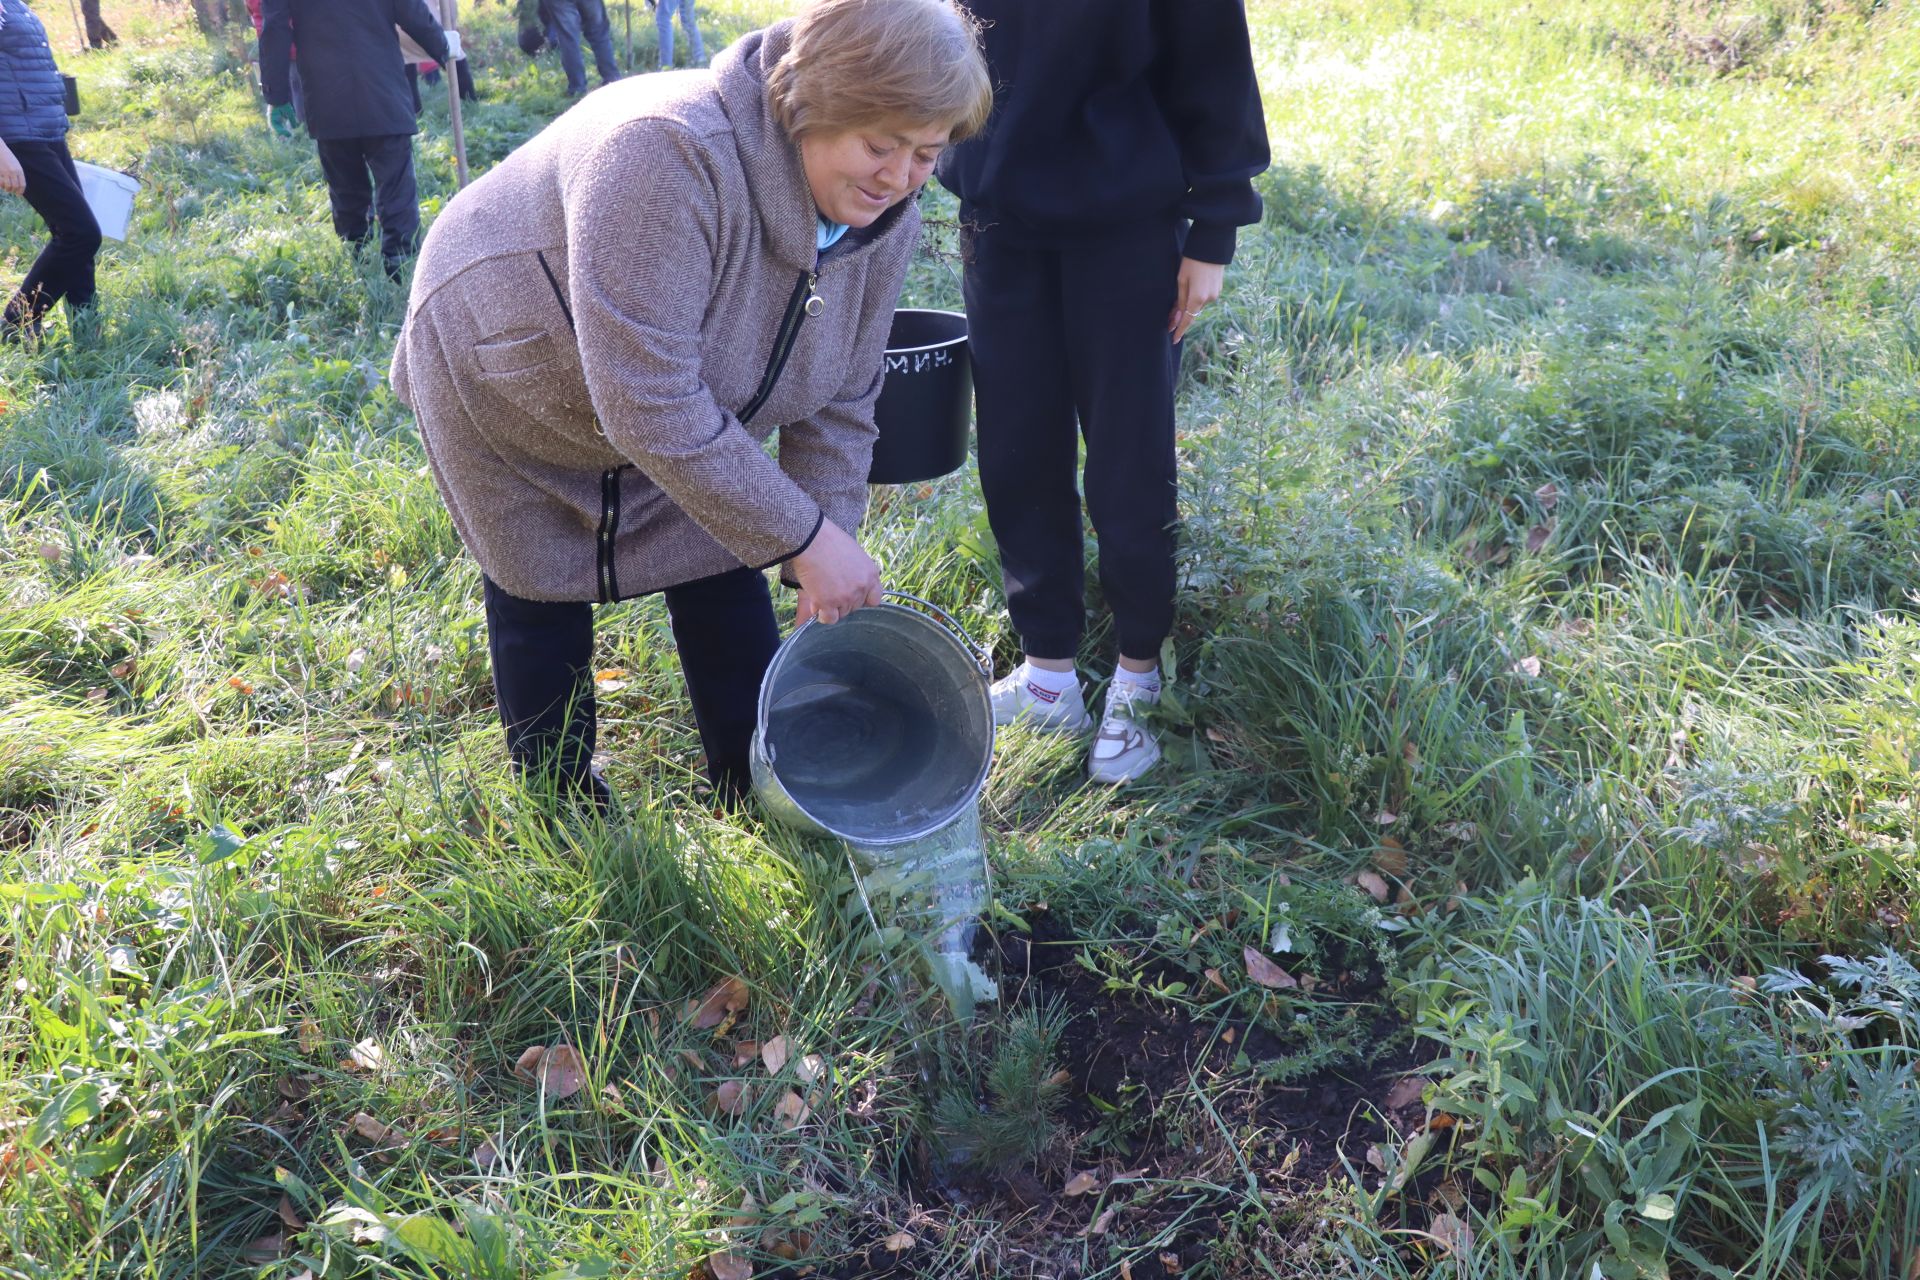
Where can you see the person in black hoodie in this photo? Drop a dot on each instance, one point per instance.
(359, 105)
(1098, 213)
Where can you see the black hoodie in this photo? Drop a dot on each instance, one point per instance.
(1110, 113)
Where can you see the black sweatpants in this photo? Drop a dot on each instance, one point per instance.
(1066, 337)
(542, 653)
(365, 172)
(64, 268)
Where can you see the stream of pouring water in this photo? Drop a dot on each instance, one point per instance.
(934, 890)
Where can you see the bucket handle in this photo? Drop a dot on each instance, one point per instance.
(982, 657)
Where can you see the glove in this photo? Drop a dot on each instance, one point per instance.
(281, 119)
(454, 52)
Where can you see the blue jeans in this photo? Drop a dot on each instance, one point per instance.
(573, 19)
(663, 17)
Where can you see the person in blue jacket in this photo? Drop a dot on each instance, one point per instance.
(359, 103)
(1098, 213)
(35, 163)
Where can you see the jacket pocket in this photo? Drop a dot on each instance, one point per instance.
(514, 353)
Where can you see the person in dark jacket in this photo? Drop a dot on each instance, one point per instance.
(359, 104)
(570, 21)
(1098, 212)
(35, 163)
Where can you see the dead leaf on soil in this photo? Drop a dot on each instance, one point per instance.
(366, 1056)
(1080, 1183)
(1265, 972)
(1406, 1092)
(290, 1215)
(265, 1249)
(52, 552)
(745, 1051)
(1126, 1270)
(1229, 1035)
(1377, 1157)
(1375, 886)
(1213, 976)
(1454, 1235)
(774, 1054)
(1170, 1263)
(1061, 1078)
(309, 1036)
(294, 1088)
(729, 1266)
(528, 1065)
(1103, 1223)
(898, 1242)
(1528, 666)
(810, 1068)
(373, 1130)
(1386, 817)
(730, 1099)
(710, 1010)
(1391, 857)
(486, 1155)
(1539, 536)
(561, 1072)
(792, 1111)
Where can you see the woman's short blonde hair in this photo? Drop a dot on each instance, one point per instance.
(859, 64)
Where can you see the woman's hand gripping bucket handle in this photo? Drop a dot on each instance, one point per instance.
(981, 656)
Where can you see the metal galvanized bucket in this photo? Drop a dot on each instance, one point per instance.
(926, 404)
(877, 730)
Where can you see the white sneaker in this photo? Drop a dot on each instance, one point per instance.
(1124, 749)
(1017, 698)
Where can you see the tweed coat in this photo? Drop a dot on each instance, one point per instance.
(591, 322)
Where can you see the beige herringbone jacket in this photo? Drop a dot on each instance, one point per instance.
(592, 319)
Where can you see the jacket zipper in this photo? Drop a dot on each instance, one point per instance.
(805, 301)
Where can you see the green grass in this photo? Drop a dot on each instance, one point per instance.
(1550, 474)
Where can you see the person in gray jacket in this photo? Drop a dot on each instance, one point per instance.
(605, 329)
(359, 105)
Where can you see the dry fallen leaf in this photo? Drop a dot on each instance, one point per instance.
(1061, 1078)
(1391, 857)
(1377, 1157)
(486, 1155)
(1375, 886)
(1528, 667)
(1213, 976)
(290, 1215)
(366, 1056)
(52, 552)
(730, 1098)
(309, 1036)
(265, 1249)
(1386, 817)
(1103, 1223)
(1453, 1233)
(810, 1068)
(1266, 972)
(1229, 1035)
(373, 1130)
(561, 1072)
(528, 1065)
(1406, 1092)
(729, 1266)
(745, 1051)
(1538, 536)
(1126, 1270)
(1548, 495)
(710, 1010)
(1080, 1183)
(774, 1054)
(898, 1242)
(791, 1110)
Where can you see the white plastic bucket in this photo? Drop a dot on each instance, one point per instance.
(110, 195)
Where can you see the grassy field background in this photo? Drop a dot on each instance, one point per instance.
(1547, 710)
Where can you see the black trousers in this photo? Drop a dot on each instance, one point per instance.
(365, 172)
(64, 268)
(542, 653)
(1070, 341)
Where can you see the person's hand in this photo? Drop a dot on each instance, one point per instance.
(282, 120)
(13, 179)
(1199, 284)
(835, 576)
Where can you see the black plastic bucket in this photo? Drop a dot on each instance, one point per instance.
(926, 404)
